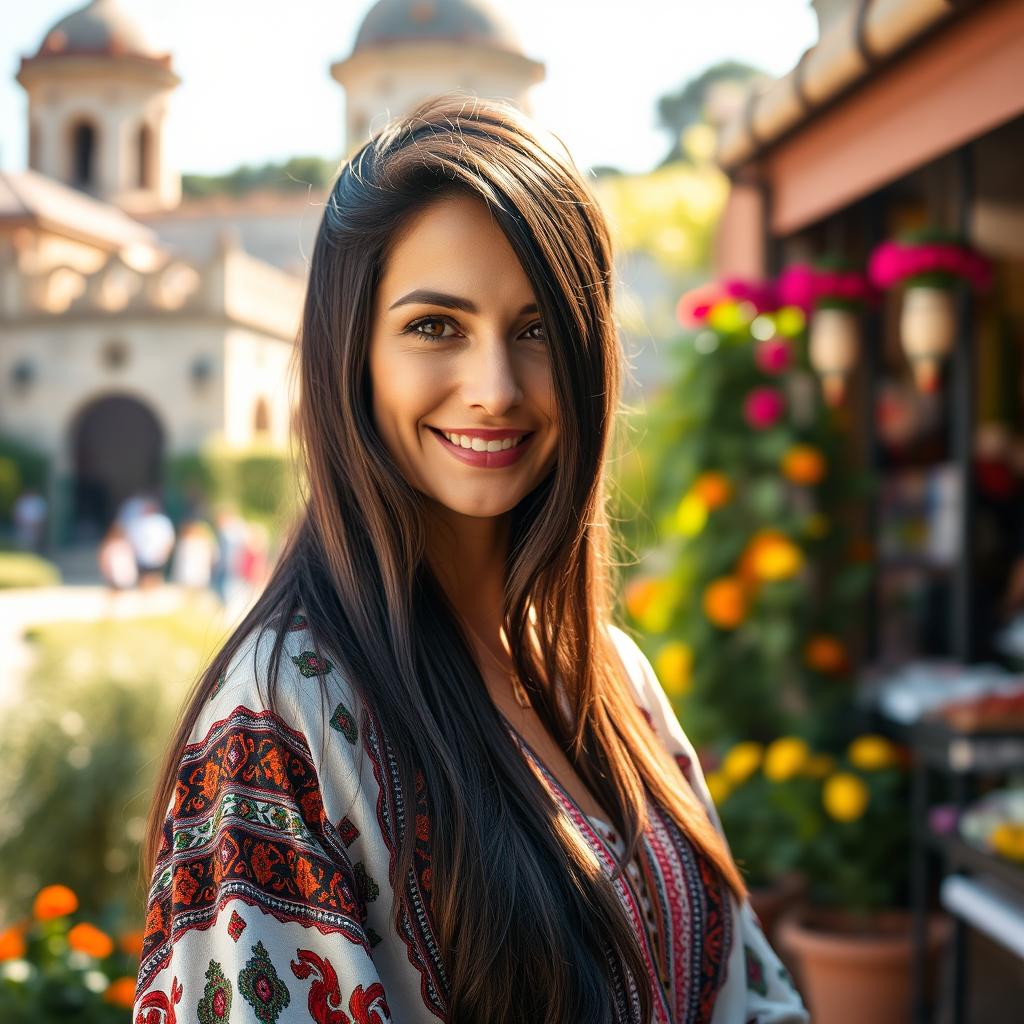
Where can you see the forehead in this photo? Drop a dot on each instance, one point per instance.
(454, 244)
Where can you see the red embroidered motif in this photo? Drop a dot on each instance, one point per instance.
(272, 848)
(366, 1006)
(156, 1008)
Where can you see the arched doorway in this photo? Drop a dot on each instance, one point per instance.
(117, 450)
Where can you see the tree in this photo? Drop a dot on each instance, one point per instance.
(679, 110)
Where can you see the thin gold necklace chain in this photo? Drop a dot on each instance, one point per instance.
(518, 690)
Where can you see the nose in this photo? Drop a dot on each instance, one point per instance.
(491, 379)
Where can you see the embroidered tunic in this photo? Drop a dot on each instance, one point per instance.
(272, 895)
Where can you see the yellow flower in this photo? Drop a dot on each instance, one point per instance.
(803, 464)
(673, 664)
(845, 796)
(691, 515)
(727, 316)
(819, 765)
(719, 786)
(742, 761)
(713, 488)
(785, 757)
(1007, 840)
(54, 901)
(725, 602)
(776, 558)
(871, 752)
(789, 321)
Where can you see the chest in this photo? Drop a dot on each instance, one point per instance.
(529, 725)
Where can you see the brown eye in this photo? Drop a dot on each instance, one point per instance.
(414, 327)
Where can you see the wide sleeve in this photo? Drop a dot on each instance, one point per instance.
(255, 911)
(759, 989)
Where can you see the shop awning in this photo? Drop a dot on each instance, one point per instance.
(891, 85)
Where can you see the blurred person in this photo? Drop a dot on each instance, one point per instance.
(194, 556)
(151, 534)
(30, 515)
(133, 506)
(254, 560)
(533, 839)
(116, 559)
(231, 532)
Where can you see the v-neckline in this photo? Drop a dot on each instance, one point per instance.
(591, 820)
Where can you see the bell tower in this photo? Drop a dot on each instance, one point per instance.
(97, 104)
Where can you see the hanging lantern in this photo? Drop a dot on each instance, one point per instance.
(927, 330)
(834, 346)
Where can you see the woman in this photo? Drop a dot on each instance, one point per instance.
(426, 779)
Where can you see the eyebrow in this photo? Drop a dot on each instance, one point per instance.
(432, 298)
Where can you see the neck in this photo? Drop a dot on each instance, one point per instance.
(468, 555)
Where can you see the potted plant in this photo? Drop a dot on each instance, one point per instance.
(851, 939)
(928, 263)
(757, 792)
(833, 293)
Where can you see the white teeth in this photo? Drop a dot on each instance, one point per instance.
(478, 444)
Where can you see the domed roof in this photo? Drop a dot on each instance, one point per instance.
(100, 27)
(464, 21)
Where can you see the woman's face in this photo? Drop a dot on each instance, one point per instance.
(470, 359)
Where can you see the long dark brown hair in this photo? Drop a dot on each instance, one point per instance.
(515, 894)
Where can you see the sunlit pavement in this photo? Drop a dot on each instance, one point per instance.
(22, 609)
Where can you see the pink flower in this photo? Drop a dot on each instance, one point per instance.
(798, 286)
(763, 408)
(693, 306)
(804, 286)
(773, 355)
(761, 294)
(893, 262)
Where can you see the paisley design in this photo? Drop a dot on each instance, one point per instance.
(216, 1002)
(263, 990)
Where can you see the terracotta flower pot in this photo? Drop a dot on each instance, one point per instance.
(852, 973)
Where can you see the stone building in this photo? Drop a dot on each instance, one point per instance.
(134, 326)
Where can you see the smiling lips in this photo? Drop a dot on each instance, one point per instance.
(472, 456)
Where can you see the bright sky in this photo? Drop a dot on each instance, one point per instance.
(256, 85)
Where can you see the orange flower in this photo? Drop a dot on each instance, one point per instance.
(777, 558)
(121, 992)
(131, 943)
(713, 488)
(12, 943)
(803, 465)
(87, 938)
(769, 555)
(54, 901)
(725, 602)
(640, 592)
(825, 654)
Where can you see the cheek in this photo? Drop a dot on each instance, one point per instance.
(403, 393)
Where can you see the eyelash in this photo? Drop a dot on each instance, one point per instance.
(412, 328)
